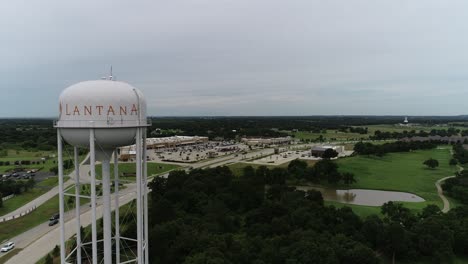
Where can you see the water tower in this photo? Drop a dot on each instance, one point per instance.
(101, 116)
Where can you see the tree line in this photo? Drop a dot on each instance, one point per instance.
(212, 216)
(381, 135)
(10, 186)
(460, 153)
(457, 187)
(366, 148)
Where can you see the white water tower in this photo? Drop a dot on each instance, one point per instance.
(103, 115)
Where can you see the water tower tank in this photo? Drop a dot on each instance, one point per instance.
(103, 115)
(113, 108)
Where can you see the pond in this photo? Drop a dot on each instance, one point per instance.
(363, 196)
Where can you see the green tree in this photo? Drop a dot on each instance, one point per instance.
(56, 251)
(1, 200)
(49, 259)
(54, 170)
(453, 162)
(348, 178)
(329, 153)
(431, 163)
(297, 168)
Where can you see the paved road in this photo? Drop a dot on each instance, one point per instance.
(45, 237)
(441, 194)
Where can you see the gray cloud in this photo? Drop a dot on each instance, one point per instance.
(261, 57)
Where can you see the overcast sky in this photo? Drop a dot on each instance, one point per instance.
(241, 57)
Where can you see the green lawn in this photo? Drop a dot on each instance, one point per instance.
(25, 197)
(9, 255)
(401, 172)
(15, 227)
(20, 200)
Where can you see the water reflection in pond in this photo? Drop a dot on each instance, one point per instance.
(362, 196)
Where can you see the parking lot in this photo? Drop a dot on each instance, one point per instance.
(38, 176)
(195, 153)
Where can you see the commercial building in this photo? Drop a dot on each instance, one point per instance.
(266, 141)
(317, 151)
(128, 152)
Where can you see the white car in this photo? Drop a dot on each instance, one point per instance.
(7, 247)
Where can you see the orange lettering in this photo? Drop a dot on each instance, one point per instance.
(87, 110)
(110, 110)
(134, 109)
(66, 110)
(99, 107)
(123, 110)
(76, 110)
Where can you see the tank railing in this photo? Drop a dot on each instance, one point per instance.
(103, 123)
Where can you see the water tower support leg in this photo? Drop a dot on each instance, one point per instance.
(92, 167)
(117, 216)
(138, 185)
(145, 196)
(106, 201)
(61, 197)
(77, 206)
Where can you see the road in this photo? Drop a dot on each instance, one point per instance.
(446, 202)
(441, 194)
(45, 238)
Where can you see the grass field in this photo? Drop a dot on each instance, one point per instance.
(15, 227)
(25, 197)
(9, 255)
(335, 135)
(153, 169)
(401, 172)
(20, 200)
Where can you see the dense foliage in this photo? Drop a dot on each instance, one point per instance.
(364, 148)
(10, 186)
(380, 135)
(37, 134)
(457, 187)
(431, 163)
(232, 127)
(460, 153)
(210, 216)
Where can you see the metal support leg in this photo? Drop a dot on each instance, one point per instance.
(61, 197)
(145, 197)
(77, 205)
(92, 167)
(106, 200)
(117, 216)
(138, 185)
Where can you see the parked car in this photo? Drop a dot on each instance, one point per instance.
(7, 247)
(54, 217)
(53, 222)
